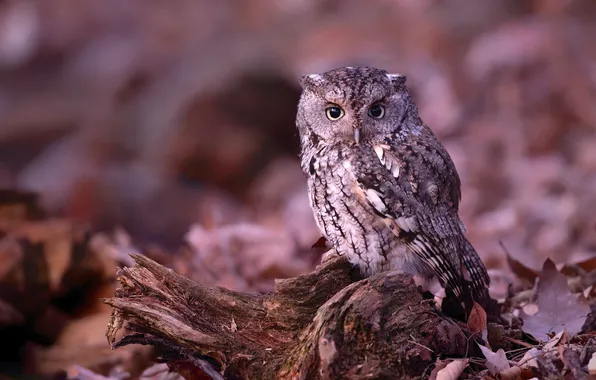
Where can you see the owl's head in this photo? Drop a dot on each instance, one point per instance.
(354, 104)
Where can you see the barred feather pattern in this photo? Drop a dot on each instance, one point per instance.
(389, 200)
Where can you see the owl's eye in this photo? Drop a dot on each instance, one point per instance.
(334, 112)
(377, 111)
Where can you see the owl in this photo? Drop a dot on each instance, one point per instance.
(384, 191)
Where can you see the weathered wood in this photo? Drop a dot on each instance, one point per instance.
(326, 324)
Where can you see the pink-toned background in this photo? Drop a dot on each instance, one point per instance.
(175, 119)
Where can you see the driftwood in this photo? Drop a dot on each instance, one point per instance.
(324, 325)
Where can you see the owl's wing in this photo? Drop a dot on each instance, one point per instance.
(408, 197)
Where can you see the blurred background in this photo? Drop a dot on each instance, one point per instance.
(168, 126)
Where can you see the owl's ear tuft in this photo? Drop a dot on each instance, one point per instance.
(311, 80)
(398, 80)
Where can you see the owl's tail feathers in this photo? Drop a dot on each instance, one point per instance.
(460, 305)
(478, 281)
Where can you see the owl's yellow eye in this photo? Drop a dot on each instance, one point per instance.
(377, 111)
(334, 112)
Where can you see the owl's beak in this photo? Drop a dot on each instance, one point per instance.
(357, 135)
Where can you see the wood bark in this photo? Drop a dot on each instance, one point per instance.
(327, 324)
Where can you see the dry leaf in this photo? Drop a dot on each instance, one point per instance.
(439, 365)
(477, 319)
(82, 373)
(553, 342)
(587, 291)
(451, 371)
(588, 265)
(496, 362)
(569, 356)
(520, 270)
(513, 373)
(558, 308)
(529, 358)
(592, 365)
(160, 372)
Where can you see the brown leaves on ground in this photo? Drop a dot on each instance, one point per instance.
(558, 308)
(520, 270)
(52, 274)
(242, 256)
(68, 258)
(93, 120)
(247, 257)
(477, 321)
(553, 313)
(496, 362)
(560, 356)
(448, 370)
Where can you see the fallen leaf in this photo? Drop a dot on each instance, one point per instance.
(451, 371)
(79, 372)
(321, 243)
(319, 248)
(529, 358)
(160, 371)
(554, 341)
(592, 365)
(439, 365)
(558, 308)
(519, 269)
(530, 309)
(569, 355)
(477, 319)
(513, 373)
(587, 265)
(588, 291)
(496, 362)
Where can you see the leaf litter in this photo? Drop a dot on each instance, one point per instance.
(546, 331)
(558, 308)
(496, 362)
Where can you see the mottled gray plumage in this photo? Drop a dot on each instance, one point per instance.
(383, 189)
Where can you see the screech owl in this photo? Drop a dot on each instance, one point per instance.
(384, 191)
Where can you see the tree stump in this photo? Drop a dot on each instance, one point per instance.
(327, 324)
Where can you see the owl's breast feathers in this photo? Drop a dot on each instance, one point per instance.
(416, 192)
